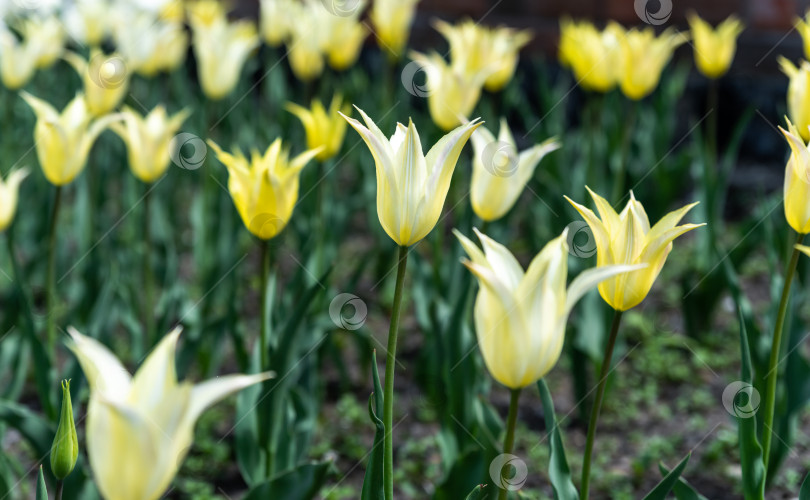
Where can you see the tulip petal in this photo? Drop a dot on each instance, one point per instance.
(205, 394)
(501, 261)
(590, 278)
(156, 377)
(104, 373)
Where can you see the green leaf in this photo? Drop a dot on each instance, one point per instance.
(477, 493)
(42, 491)
(373, 480)
(558, 469)
(301, 483)
(663, 488)
(753, 467)
(682, 489)
(804, 492)
(33, 427)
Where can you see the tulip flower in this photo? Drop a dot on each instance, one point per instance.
(626, 238)
(47, 35)
(392, 24)
(411, 187)
(18, 60)
(221, 48)
(105, 78)
(803, 26)
(344, 39)
(475, 48)
(797, 181)
(520, 317)
(451, 93)
(264, 188)
(148, 44)
(593, 55)
(643, 58)
(714, 48)
(9, 194)
(304, 53)
(324, 129)
(798, 95)
(65, 448)
(205, 13)
(63, 141)
(148, 139)
(276, 18)
(500, 173)
(139, 428)
(87, 21)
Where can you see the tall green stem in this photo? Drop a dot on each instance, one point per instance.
(390, 365)
(148, 277)
(773, 366)
(597, 404)
(509, 440)
(59, 486)
(50, 287)
(627, 141)
(263, 328)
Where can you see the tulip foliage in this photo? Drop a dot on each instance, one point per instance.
(401, 269)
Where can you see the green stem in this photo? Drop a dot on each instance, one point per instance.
(59, 485)
(597, 404)
(148, 277)
(263, 328)
(627, 140)
(773, 366)
(390, 365)
(509, 440)
(50, 286)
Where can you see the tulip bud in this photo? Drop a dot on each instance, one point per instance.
(65, 448)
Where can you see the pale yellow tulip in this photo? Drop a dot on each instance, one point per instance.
(88, 21)
(325, 129)
(221, 49)
(276, 18)
(148, 44)
(105, 78)
(139, 428)
(798, 95)
(644, 57)
(714, 48)
(18, 60)
(47, 35)
(797, 182)
(392, 24)
(593, 55)
(9, 195)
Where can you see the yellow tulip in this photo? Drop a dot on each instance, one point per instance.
(148, 139)
(18, 60)
(148, 44)
(798, 95)
(9, 194)
(643, 58)
(276, 17)
(139, 428)
(47, 35)
(264, 188)
(500, 173)
(205, 13)
(221, 49)
(306, 43)
(411, 187)
(345, 36)
(173, 12)
(797, 182)
(392, 24)
(594, 56)
(324, 129)
(475, 48)
(520, 317)
(714, 48)
(105, 78)
(63, 141)
(87, 21)
(451, 93)
(627, 238)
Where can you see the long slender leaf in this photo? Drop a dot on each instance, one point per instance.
(751, 461)
(301, 483)
(42, 490)
(373, 480)
(682, 489)
(663, 488)
(558, 469)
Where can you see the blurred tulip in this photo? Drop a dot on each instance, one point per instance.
(627, 238)
(221, 49)
(594, 56)
(345, 36)
(797, 181)
(264, 188)
(451, 94)
(798, 95)
(411, 187)
(304, 54)
(105, 78)
(148, 139)
(205, 13)
(714, 48)
(276, 18)
(139, 428)
(87, 21)
(324, 129)
(18, 59)
(148, 44)
(643, 58)
(63, 141)
(65, 447)
(9, 194)
(392, 24)
(47, 36)
(500, 173)
(475, 48)
(803, 26)
(520, 317)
